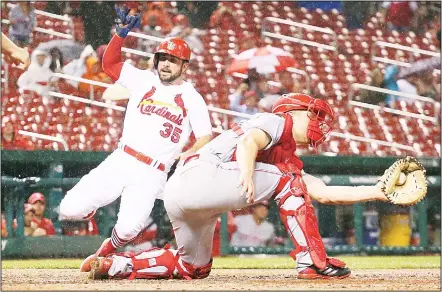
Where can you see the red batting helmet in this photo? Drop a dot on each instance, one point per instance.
(320, 113)
(175, 47)
(35, 197)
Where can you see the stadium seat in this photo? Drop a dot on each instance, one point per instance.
(90, 128)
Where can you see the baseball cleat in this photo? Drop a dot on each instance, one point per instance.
(86, 264)
(100, 268)
(335, 270)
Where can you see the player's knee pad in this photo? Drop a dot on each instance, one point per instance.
(160, 263)
(299, 218)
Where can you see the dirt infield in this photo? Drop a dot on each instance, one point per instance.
(220, 279)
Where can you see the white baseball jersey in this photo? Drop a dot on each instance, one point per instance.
(159, 118)
(249, 233)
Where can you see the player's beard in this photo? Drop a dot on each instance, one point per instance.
(172, 77)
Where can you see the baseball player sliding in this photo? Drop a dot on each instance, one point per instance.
(162, 111)
(253, 162)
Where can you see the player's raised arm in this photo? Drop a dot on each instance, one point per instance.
(246, 150)
(112, 64)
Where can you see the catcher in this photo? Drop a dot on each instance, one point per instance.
(253, 162)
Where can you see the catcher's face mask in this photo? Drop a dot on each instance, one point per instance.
(319, 112)
(321, 119)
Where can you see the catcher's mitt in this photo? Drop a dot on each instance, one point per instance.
(408, 192)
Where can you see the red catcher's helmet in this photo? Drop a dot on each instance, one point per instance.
(175, 47)
(320, 113)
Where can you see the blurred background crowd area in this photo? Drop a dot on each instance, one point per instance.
(216, 32)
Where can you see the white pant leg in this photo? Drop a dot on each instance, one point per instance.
(137, 200)
(195, 240)
(98, 188)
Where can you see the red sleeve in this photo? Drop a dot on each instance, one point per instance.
(112, 63)
(47, 225)
(50, 230)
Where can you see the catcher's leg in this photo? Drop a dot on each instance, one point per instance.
(298, 215)
(193, 232)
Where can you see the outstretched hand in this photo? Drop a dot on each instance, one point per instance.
(125, 22)
(122, 13)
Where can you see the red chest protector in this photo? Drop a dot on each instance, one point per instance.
(284, 151)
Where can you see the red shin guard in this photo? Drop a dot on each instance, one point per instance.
(162, 263)
(307, 222)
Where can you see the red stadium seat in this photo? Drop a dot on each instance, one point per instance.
(96, 129)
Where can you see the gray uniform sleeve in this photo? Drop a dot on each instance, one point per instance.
(272, 124)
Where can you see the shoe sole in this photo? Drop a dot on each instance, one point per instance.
(95, 266)
(322, 277)
(85, 267)
(86, 264)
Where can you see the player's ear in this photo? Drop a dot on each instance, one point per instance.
(185, 66)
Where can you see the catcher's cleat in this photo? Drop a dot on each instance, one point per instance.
(100, 268)
(335, 270)
(86, 264)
